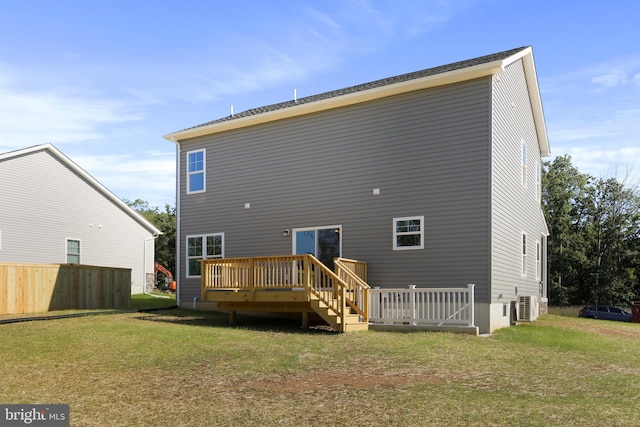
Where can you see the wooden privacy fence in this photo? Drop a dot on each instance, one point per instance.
(36, 288)
(422, 306)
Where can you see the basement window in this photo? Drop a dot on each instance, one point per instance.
(408, 233)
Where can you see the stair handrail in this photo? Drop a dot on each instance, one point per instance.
(359, 299)
(336, 288)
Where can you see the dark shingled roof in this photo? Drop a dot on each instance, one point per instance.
(371, 85)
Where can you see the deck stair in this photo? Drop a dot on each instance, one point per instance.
(350, 321)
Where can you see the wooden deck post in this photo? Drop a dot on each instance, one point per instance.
(305, 320)
(252, 273)
(232, 317)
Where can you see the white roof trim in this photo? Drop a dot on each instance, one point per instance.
(536, 101)
(101, 188)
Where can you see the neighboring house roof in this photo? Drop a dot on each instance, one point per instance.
(431, 77)
(91, 180)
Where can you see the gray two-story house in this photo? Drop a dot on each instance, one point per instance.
(432, 178)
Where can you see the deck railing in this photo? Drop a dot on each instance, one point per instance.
(423, 306)
(252, 273)
(291, 272)
(354, 273)
(359, 268)
(341, 289)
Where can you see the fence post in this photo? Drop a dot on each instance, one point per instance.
(306, 268)
(472, 304)
(412, 304)
(343, 308)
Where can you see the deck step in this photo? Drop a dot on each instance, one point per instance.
(356, 327)
(352, 321)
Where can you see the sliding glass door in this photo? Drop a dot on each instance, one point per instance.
(322, 242)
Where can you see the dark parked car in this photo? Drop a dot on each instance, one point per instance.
(606, 312)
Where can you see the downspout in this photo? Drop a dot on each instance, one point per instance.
(178, 272)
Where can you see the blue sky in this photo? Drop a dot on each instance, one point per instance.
(104, 80)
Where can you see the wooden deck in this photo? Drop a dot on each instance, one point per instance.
(290, 284)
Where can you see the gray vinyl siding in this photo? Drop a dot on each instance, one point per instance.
(428, 152)
(44, 203)
(515, 209)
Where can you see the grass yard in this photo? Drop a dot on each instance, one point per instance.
(183, 368)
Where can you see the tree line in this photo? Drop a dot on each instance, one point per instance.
(165, 221)
(594, 236)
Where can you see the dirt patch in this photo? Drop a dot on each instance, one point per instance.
(316, 381)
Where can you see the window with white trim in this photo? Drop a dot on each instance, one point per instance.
(196, 162)
(206, 246)
(524, 254)
(538, 260)
(73, 251)
(408, 233)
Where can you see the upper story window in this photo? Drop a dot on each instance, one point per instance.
(73, 251)
(203, 247)
(196, 171)
(408, 233)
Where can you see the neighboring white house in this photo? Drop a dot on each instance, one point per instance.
(54, 212)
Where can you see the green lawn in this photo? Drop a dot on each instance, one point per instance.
(152, 301)
(183, 368)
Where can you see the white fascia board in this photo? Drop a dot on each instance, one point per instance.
(534, 96)
(441, 79)
(545, 229)
(27, 150)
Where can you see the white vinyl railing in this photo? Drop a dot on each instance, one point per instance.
(422, 306)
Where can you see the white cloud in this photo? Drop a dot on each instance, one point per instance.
(607, 162)
(389, 18)
(592, 115)
(611, 74)
(319, 40)
(612, 79)
(60, 115)
(149, 176)
(322, 18)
